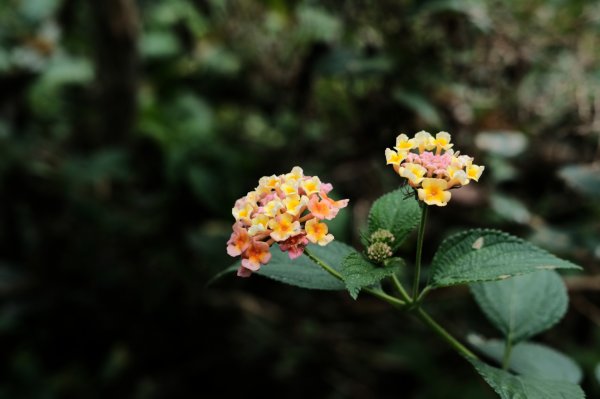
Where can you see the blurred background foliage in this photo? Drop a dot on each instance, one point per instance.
(128, 129)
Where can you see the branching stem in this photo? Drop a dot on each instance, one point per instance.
(397, 303)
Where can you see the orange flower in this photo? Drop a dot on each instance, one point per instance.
(239, 240)
(256, 254)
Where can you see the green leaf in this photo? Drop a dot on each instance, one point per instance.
(487, 255)
(597, 373)
(302, 272)
(397, 213)
(510, 386)
(531, 360)
(523, 306)
(358, 272)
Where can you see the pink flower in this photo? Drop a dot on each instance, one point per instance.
(257, 253)
(239, 240)
(335, 205)
(294, 246)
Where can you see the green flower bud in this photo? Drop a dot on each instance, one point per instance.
(379, 251)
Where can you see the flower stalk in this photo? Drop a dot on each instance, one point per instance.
(421, 236)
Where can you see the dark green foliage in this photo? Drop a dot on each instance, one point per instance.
(120, 161)
(510, 386)
(358, 272)
(397, 212)
(303, 272)
(486, 255)
(531, 360)
(523, 306)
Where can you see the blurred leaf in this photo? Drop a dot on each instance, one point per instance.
(63, 70)
(502, 143)
(159, 45)
(510, 386)
(37, 10)
(397, 213)
(583, 178)
(420, 105)
(531, 360)
(555, 239)
(501, 170)
(510, 208)
(486, 255)
(219, 60)
(358, 272)
(316, 24)
(523, 306)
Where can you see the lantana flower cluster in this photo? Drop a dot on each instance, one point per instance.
(287, 210)
(431, 166)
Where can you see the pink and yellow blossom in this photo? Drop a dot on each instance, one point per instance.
(317, 232)
(285, 210)
(413, 172)
(311, 185)
(239, 240)
(431, 166)
(257, 254)
(283, 227)
(295, 204)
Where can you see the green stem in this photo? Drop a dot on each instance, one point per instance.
(423, 294)
(421, 314)
(324, 265)
(388, 298)
(379, 294)
(507, 352)
(445, 335)
(400, 288)
(419, 252)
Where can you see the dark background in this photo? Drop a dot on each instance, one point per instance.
(128, 129)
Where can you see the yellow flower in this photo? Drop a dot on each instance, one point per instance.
(294, 204)
(474, 171)
(290, 187)
(259, 224)
(413, 172)
(272, 208)
(283, 227)
(269, 182)
(442, 141)
(296, 174)
(403, 144)
(311, 186)
(458, 178)
(316, 232)
(243, 212)
(434, 192)
(394, 158)
(423, 141)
